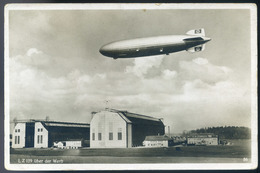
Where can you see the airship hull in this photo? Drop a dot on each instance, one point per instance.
(145, 51)
(159, 45)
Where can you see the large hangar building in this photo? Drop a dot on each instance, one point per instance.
(43, 134)
(122, 129)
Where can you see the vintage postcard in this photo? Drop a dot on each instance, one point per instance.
(130, 86)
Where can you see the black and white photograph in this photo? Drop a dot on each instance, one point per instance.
(130, 86)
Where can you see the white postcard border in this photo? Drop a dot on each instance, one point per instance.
(182, 166)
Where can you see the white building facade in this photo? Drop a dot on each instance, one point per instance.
(109, 130)
(122, 129)
(18, 140)
(40, 136)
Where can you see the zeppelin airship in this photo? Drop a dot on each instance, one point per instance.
(193, 41)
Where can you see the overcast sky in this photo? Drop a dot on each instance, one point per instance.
(56, 69)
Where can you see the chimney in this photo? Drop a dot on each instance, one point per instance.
(169, 131)
(92, 114)
(15, 121)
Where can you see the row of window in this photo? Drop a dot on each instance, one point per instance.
(155, 144)
(40, 129)
(17, 140)
(39, 139)
(119, 136)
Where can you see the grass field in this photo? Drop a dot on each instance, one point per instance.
(236, 153)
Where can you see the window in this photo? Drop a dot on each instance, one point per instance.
(38, 139)
(18, 142)
(38, 129)
(41, 129)
(99, 136)
(15, 130)
(119, 135)
(110, 136)
(110, 128)
(18, 130)
(15, 141)
(93, 136)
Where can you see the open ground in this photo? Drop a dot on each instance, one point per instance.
(239, 152)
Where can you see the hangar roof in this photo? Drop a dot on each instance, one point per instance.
(134, 117)
(202, 135)
(63, 124)
(157, 138)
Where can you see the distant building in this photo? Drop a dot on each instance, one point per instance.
(121, 129)
(43, 134)
(59, 144)
(158, 141)
(179, 140)
(74, 144)
(202, 139)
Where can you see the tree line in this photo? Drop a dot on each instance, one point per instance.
(224, 132)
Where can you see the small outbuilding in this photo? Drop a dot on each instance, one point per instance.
(72, 144)
(158, 141)
(59, 144)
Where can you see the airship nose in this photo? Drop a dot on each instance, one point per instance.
(103, 50)
(106, 50)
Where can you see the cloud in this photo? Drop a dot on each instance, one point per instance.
(197, 87)
(143, 64)
(168, 74)
(202, 69)
(32, 51)
(200, 61)
(33, 58)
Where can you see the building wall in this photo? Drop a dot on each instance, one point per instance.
(141, 130)
(40, 136)
(156, 143)
(61, 133)
(73, 144)
(106, 128)
(129, 135)
(202, 140)
(18, 140)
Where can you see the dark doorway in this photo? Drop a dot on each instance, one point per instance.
(29, 134)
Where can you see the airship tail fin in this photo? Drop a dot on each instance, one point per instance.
(198, 32)
(196, 48)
